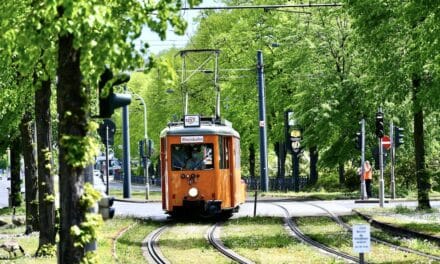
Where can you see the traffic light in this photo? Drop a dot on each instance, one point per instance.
(358, 140)
(108, 103)
(141, 148)
(149, 148)
(379, 125)
(105, 207)
(398, 136)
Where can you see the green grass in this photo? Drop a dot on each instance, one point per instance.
(265, 240)
(413, 243)
(137, 195)
(186, 243)
(327, 232)
(306, 195)
(128, 247)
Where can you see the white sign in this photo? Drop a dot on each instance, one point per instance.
(291, 119)
(296, 145)
(261, 123)
(192, 121)
(361, 238)
(191, 139)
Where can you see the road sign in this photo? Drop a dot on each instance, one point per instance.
(361, 238)
(386, 142)
(296, 145)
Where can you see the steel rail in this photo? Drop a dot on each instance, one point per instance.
(213, 238)
(151, 250)
(312, 242)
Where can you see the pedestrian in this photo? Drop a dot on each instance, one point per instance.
(368, 177)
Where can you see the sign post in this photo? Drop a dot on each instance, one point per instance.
(361, 240)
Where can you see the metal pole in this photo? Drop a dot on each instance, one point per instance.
(295, 165)
(393, 156)
(381, 181)
(262, 123)
(107, 162)
(363, 187)
(147, 180)
(126, 147)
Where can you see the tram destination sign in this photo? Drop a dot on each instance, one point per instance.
(191, 139)
(361, 238)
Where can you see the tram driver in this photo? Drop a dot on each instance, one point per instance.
(196, 160)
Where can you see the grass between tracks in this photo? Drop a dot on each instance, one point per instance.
(186, 243)
(412, 243)
(423, 221)
(265, 240)
(326, 231)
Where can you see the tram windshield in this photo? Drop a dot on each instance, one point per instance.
(192, 156)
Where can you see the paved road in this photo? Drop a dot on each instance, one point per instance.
(154, 211)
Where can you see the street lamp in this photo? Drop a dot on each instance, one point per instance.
(147, 180)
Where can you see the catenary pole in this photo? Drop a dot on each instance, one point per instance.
(262, 123)
(126, 148)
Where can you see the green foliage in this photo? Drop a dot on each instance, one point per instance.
(81, 151)
(90, 196)
(47, 250)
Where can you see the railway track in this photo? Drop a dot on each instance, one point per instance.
(347, 227)
(297, 232)
(213, 238)
(151, 251)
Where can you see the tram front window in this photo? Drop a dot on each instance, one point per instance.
(192, 156)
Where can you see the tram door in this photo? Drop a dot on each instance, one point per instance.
(225, 166)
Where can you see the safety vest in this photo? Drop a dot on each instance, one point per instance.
(368, 172)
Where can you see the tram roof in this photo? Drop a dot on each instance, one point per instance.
(207, 127)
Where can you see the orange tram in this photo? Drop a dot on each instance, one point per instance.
(200, 168)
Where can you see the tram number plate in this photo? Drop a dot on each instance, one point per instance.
(361, 238)
(191, 139)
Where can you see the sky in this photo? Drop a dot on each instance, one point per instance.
(173, 40)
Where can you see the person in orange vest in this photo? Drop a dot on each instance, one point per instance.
(368, 177)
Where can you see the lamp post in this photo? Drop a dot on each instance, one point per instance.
(147, 180)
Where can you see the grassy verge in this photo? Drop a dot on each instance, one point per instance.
(136, 194)
(265, 240)
(413, 243)
(128, 247)
(327, 232)
(420, 221)
(307, 195)
(186, 243)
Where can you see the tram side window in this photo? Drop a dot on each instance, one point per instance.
(237, 153)
(224, 152)
(192, 156)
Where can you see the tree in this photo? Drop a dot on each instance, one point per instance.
(401, 43)
(46, 192)
(30, 171)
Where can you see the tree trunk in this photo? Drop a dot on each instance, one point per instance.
(72, 110)
(313, 165)
(280, 151)
(30, 172)
(422, 176)
(341, 172)
(45, 179)
(16, 197)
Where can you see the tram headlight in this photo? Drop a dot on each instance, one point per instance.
(193, 192)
